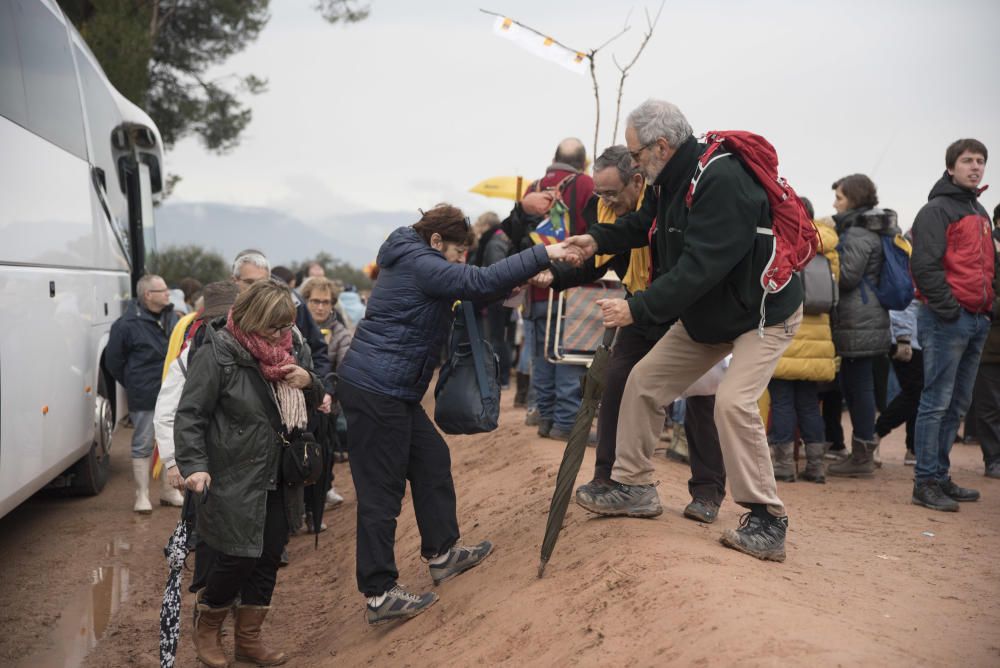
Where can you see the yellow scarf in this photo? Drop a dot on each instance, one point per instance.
(636, 278)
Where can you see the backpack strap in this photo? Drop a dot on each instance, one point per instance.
(704, 161)
(476, 343)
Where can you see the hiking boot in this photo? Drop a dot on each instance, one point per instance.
(783, 461)
(859, 464)
(910, 458)
(702, 510)
(544, 427)
(460, 559)
(558, 434)
(208, 634)
(814, 463)
(595, 485)
(958, 493)
(397, 603)
(760, 535)
(678, 450)
(249, 646)
(929, 495)
(992, 470)
(620, 499)
(532, 417)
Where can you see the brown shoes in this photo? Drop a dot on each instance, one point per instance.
(208, 634)
(249, 646)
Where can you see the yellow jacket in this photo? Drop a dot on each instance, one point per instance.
(811, 355)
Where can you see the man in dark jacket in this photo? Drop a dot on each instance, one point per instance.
(987, 392)
(556, 386)
(619, 189)
(712, 256)
(134, 356)
(954, 269)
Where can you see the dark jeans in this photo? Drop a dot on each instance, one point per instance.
(903, 408)
(987, 398)
(833, 410)
(392, 441)
(708, 473)
(951, 361)
(795, 403)
(496, 327)
(251, 578)
(857, 381)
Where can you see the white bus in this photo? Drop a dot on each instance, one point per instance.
(79, 167)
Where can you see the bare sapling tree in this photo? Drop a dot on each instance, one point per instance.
(650, 27)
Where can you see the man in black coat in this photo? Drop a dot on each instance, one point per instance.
(134, 357)
(712, 254)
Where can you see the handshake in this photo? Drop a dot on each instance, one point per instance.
(574, 250)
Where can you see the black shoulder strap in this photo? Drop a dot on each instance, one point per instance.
(476, 343)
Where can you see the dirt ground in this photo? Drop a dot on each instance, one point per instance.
(870, 579)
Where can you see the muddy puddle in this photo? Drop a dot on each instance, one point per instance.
(85, 617)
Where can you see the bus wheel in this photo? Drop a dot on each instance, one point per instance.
(90, 474)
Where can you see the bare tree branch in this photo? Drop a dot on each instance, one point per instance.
(651, 26)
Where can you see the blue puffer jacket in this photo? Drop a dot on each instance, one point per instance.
(397, 344)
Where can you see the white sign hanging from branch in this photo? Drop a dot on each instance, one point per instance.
(545, 47)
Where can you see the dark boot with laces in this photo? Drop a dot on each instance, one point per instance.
(760, 535)
(949, 487)
(929, 495)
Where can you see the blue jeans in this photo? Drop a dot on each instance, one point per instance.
(951, 360)
(557, 386)
(142, 438)
(795, 402)
(857, 382)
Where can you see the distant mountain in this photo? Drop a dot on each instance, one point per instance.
(228, 229)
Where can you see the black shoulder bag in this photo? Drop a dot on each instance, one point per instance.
(467, 394)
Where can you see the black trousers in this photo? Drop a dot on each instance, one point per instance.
(903, 407)
(987, 398)
(497, 326)
(392, 441)
(249, 577)
(833, 410)
(708, 473)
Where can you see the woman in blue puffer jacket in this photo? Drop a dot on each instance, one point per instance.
(383, 377)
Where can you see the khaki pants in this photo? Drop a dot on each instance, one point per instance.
(673, 364)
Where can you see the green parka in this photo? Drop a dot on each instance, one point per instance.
(228, 425)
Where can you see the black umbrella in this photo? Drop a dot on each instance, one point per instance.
(326, 436)
(593, 387)
(176, 552)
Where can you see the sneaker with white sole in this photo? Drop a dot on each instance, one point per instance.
(621, 500)
(397, 603)
(333, 499)
(459, 559)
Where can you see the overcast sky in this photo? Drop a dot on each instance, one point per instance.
(421, 101)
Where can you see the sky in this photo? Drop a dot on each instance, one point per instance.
(421, 101)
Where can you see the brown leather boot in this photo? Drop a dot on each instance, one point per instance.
(208, 634)
(249, 646)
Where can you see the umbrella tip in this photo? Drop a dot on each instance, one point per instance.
(541, 567)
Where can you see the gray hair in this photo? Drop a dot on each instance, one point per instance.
(658, 118)
(617, 156)
(253, 257)
(145, 283)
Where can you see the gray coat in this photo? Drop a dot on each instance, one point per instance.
(228, 424)
(860, 323)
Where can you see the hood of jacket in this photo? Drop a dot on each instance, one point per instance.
(403, 242)
(945, 187)
(880, 221)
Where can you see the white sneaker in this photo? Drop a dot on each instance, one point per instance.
(333, 499)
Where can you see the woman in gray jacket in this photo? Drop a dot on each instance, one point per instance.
(860, 324)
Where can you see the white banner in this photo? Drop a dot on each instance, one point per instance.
(545, 47)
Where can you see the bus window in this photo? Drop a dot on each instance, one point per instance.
(148, 229)
(12, 103)
(53, 98)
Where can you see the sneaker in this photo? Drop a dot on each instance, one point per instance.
(992, 470)
(595, 485)
(397, 603)
(910, 458)
(958, 493)
(619, 499)
(284, 559)
(532, 417)
(702, 510)
(333, 498)
(929, 495)
(460, 559)
(340, 456)
(544, 427)
(558, 433)
(759, 536)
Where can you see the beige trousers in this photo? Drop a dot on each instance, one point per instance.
(672, 365)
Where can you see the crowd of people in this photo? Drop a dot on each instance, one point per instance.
(270, 365)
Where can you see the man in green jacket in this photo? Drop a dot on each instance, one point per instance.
(711, 256)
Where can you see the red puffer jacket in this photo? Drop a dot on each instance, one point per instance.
(954, 261)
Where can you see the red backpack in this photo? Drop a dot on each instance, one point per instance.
(795, 238)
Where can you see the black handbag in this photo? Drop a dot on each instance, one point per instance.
(301, 459)
(467, 395)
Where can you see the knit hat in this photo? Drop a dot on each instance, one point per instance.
(219, 297)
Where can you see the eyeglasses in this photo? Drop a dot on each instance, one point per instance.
(320, 302)
(281, 329)
(610, 196)
(160, 290)
(635, 154)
